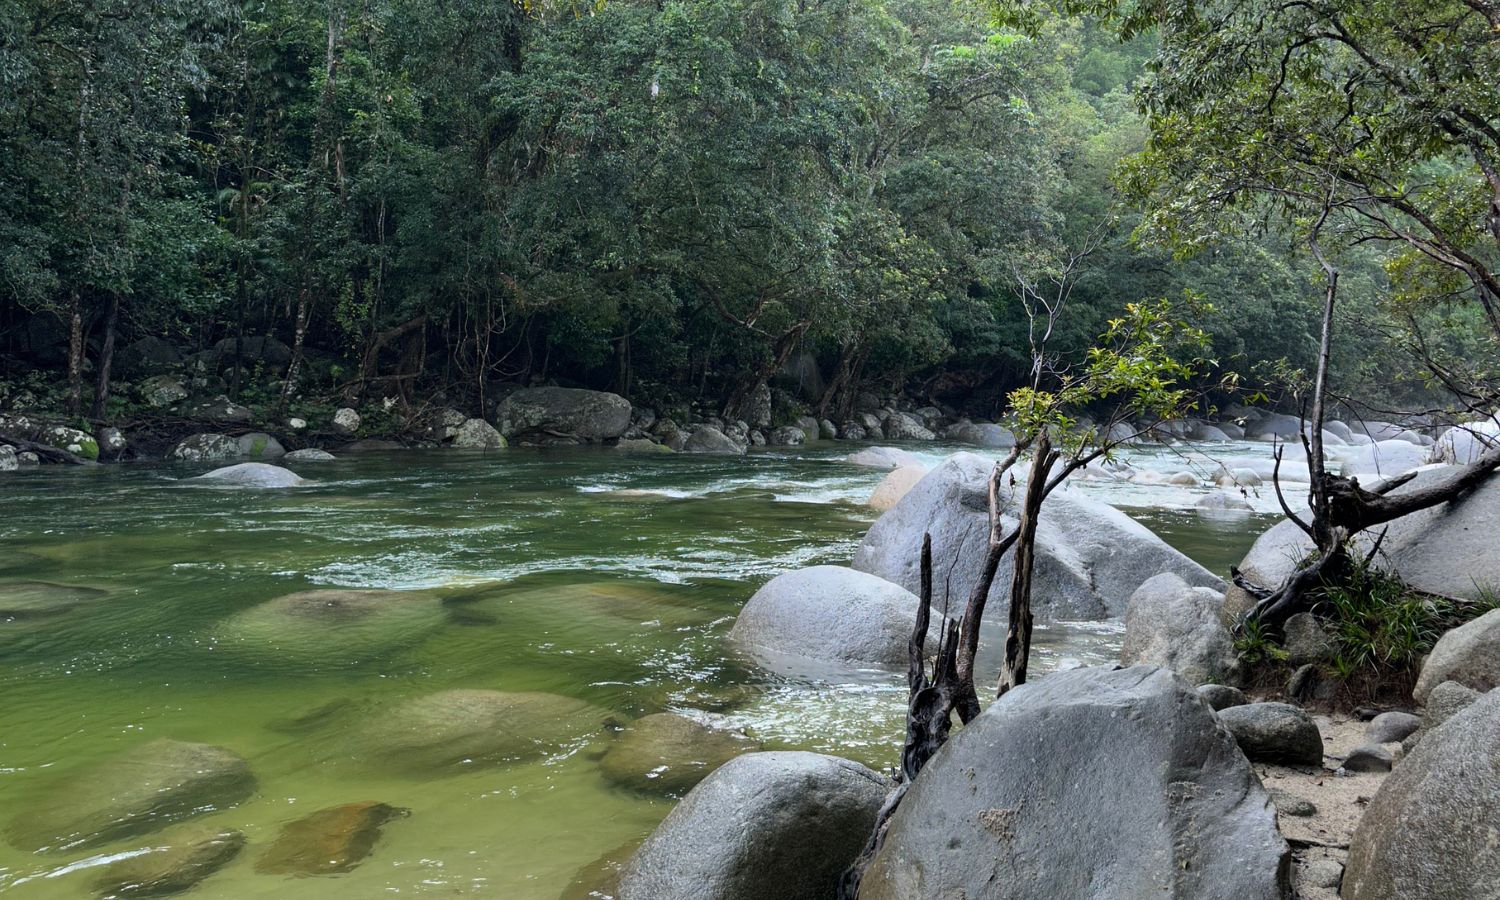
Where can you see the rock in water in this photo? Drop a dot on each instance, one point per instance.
(1432, 831)
(883, 458)
(765, 826)
(708, 439)
(259, 445)
(670, 753)
(827, 616)
(563, 415)
(1093, 783)
(182, 860)
(138, 792)
(463, 728)
(23, 600)
(311, 454)
(1168, 623)
(331, 627)
(895, 486)
(1275, 733)
(205, 447)
(328, 841)
(1469, 655)
(258, 475)
(1090, 556)
(477, 434)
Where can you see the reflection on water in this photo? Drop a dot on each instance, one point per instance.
(132, 609)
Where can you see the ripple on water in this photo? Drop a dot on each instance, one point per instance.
(601, 578)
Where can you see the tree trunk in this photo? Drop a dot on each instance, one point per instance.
(1018, 634)
(75, 353)
(106, 357)
(294, 367)
(737, 406)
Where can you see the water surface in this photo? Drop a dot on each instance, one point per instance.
(602, 576)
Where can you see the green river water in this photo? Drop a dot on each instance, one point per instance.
(601, 576)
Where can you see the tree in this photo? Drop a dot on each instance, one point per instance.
(1345, 124)
(1143, 368)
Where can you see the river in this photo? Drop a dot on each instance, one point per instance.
(597, 575)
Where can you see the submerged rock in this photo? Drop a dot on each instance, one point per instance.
(1432, 830)
(331, 626)
(258, 475)
(176, 864)
(1090, 557)
(462, 728)
(138, 792)
(22, 600)
(1170, 624)
(779, 825)
(328, 841)
(1275, 733)
(670, 753)
(1090, 783)
(827, 616)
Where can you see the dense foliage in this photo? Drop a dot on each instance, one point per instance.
(674, 200)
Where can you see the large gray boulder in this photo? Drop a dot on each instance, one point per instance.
(253, 349)
(1090, 556)
(147, 355)
(459, 729)
(827, 616)
(1172, 624)
(1432, 830)
(1382, 458)
(1469, 655)
(138, 792)
(1275, 733)
(563, 415)
(256, 475)
(1092, 783)
(906, 427)
(708, 439)
(477, 434)
(764, 826)
(1466, 442)
(1274, 426)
